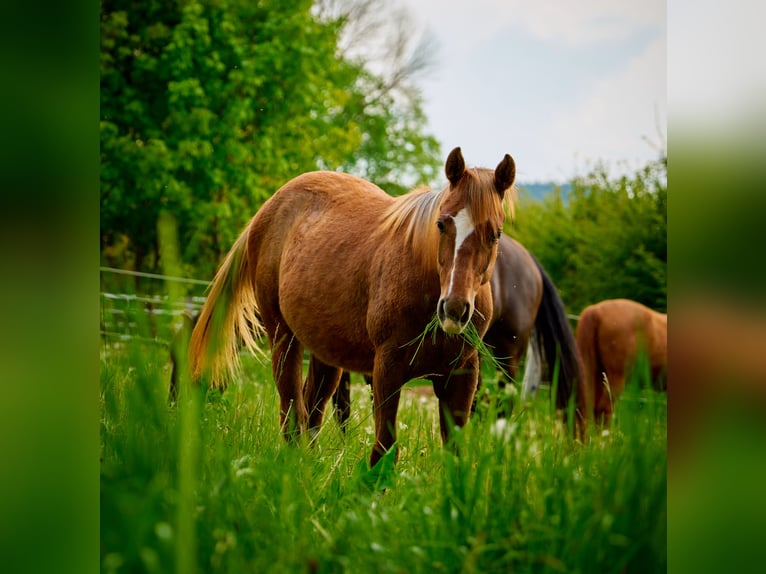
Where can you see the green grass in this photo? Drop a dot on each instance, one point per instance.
(210, 486)
(470, 337)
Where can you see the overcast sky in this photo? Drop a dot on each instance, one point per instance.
(557, 84)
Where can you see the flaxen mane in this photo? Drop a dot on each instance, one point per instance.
(415, 213)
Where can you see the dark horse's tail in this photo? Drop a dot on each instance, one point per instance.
(557, 341)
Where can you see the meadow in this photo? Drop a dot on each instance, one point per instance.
(208, 485)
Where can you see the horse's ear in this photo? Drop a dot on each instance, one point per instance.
(455, 166)
(505, 173)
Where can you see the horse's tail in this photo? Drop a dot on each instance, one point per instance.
(557, 342)
(587, 343)
(229, 315)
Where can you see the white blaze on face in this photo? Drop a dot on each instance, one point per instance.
(464, 228)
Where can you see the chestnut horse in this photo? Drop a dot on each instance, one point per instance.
(527, 316)
(333, 264)
(610, 335)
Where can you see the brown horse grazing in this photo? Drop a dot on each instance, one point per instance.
(610, 335)
(333, 264)
(527, 316)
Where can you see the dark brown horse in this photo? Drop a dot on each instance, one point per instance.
(610, 335)
(528, 313)
(333, 264)
(528, 316)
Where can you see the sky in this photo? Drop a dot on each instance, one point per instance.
(560, 85)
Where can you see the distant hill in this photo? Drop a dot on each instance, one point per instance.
(537, 191)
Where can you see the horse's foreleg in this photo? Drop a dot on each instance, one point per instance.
(608, 389)
(321, 383)
(455, 395)
(385, 405)
(387, 381)
(286, 363)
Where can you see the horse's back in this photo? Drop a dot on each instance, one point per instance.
(516, 288)
(306, 216)
(313, 239)
(323, 193)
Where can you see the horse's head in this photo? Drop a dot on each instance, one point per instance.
(470, 222)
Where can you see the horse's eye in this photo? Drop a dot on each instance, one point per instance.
(440, 225)
(496, 238)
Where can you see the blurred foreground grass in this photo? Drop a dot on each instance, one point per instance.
(521, 497)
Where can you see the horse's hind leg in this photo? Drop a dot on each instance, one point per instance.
(341, 400)
(286, 363)
(608, 389)
(321, 383)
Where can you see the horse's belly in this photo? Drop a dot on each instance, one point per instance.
(357, 360)
(333, 342)
(326, 308)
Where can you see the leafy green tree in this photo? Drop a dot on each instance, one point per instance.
(208, 107)
(380, 39)
(605, 239)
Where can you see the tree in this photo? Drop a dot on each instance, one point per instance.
(208, 107)
(379, 38)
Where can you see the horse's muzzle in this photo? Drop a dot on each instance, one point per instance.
(454, 315)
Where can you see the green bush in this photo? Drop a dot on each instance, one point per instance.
(604, 239)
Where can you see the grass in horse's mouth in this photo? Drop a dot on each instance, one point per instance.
(431, 328)
(469, 335)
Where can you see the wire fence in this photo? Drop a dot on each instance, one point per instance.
(121, 312)
(129, 317)
(140, 316)
(153, 276)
